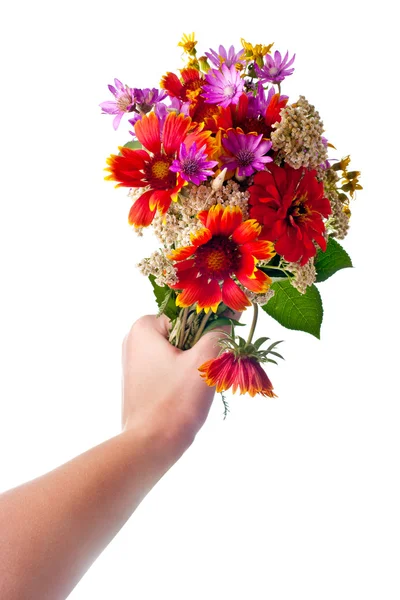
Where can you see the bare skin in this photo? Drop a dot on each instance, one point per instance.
(53, 528)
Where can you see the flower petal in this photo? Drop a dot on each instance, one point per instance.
(209, 295)
(248, 231)
(147, 131)
(182, 253)
(260, 249)
(214, 219)
(140, 214)
(188, 296)
(258, 284)
(233, 296)
(174, 132)
(231, 218)
(246, 265)
(201, 237)
(160, 199)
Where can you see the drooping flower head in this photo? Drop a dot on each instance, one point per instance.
(150, 167)
(223, 87)
(192, 164)
(275, 69)
(225, 248)
(290, 204)
(244, 373)
(228, 58)
(238, 366)
(123, 103)
(245, 152)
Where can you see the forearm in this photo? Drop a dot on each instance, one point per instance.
(54, 527)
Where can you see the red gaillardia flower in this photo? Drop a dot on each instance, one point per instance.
(238, 365)
(290, 204)
(243, 372)
(226, 247)
(150, 167)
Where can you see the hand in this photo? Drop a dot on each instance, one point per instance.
(162, 387)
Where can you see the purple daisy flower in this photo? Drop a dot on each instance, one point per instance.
(145, 99)
(124, 101)
(245, 152)
(275, 69)
(227, 58)
(162, 111)
(193, 164)
(224, 87)
(259, 103)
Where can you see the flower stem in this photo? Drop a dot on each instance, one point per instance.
(183, 326)
(201, 328)
(254, 323)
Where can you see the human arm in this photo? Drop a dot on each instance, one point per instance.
(54, 527)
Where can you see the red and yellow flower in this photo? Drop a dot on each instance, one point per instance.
(226, 247)
(237, 372)
(290, 204)
(150, 167)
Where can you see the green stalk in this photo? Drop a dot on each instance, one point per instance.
(254, 323)
(182, 329)
(201, 328)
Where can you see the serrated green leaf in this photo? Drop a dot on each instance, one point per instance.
(332, 260)
(166, 307)
(293, 310)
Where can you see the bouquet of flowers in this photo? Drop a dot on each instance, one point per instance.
(236, 184)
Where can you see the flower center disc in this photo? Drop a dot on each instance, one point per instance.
(158, 174)
(229, 91)
(218, 258)
(245, 157)
(123, 102)
(299, 209)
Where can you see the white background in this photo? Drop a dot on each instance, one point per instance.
(295, 497)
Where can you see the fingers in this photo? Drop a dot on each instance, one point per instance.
(147, 328)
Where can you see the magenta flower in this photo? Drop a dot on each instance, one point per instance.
(145, 99)
(245, 152)
(224, 87)
(227, 58)
(124, 101)
(193, 164)
(162, 111)
(275, 69)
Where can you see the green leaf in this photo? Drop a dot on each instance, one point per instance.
(220, 321)
(294, 310)
(165, 298)
(133, 145)
(332, 260)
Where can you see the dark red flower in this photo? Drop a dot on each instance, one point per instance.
(290, 204)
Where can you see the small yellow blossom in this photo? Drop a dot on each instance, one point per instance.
(188, 43)
(350, 182)
(342, 164)
(256, 52)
